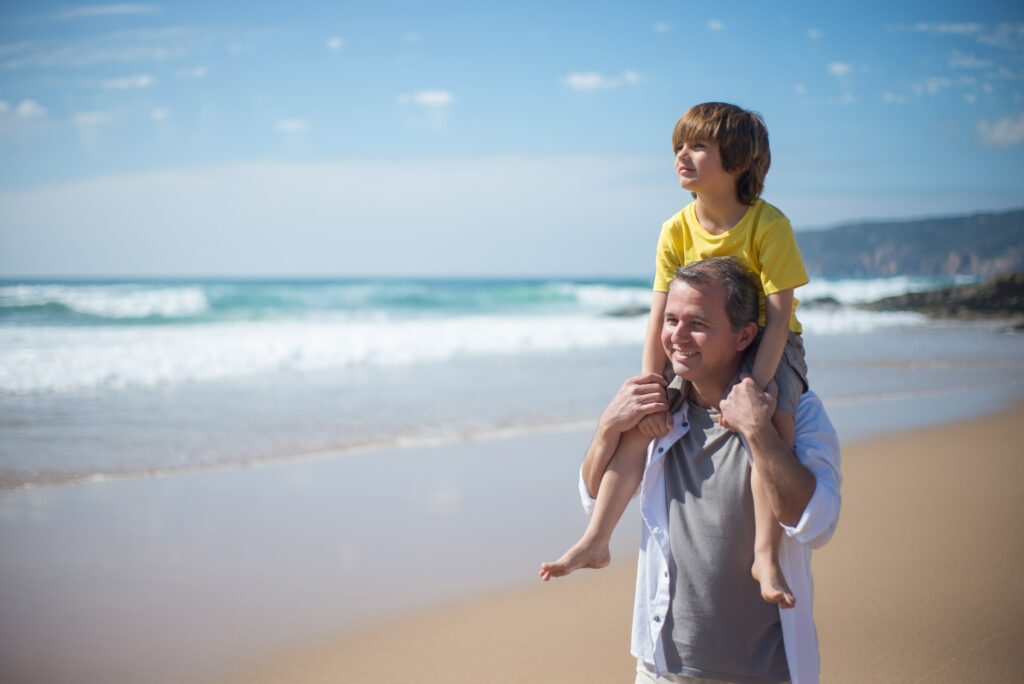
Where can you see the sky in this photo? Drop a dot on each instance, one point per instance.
(352, 139)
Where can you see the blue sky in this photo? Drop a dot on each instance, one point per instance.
(464, 138)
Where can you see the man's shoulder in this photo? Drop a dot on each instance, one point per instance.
(812, 419)
(811, 407)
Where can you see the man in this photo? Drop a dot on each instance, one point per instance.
(699, 614)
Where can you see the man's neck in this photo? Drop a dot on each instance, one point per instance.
(718, 213)
(707, 392)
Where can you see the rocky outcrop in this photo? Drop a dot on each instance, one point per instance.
(999, 297)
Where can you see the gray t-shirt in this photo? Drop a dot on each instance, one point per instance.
(718, 627)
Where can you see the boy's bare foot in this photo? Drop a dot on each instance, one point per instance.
(585, 554)
(773, 585)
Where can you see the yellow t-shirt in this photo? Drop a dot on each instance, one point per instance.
(763, 240)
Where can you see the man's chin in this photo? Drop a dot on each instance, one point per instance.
(683, 371)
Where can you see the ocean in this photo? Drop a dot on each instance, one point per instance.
(103, 379)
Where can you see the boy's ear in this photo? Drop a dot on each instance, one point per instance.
(747, 334)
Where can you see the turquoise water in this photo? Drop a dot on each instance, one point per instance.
(105, 379)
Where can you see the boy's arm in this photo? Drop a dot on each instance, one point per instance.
(654, 361)
(788, 484)
(654, 354)
(808, 509)
(778, 308)
(638, 397)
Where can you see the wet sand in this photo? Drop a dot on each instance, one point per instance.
(922, 583)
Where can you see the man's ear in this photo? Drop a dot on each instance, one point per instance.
(747, 334)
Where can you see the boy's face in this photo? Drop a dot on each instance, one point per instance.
(699, 168)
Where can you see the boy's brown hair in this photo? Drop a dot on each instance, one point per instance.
(742, 140)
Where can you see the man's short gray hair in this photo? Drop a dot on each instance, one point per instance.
(742, 291)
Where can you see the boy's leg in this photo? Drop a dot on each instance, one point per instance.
(767, 532)
(625, 470)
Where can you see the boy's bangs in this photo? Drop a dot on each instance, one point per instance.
(693, 128)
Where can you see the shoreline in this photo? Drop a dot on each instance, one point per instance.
(12, 484)
(912, 588)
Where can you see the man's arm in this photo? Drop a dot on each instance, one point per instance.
(787, 482)
(638, 397)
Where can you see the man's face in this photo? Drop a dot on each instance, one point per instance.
(698, 338)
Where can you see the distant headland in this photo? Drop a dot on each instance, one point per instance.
(983, 244)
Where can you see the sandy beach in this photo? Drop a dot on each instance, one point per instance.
(922, 583)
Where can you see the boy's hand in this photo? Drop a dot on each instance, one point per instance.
(638, 398)
(656, 424)
(747, 407)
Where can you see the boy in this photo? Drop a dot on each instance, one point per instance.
(721, 157)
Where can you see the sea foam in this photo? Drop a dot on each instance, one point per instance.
(110, 301)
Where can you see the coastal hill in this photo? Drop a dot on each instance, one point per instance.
(978, 244)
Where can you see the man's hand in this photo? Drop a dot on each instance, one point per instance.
(747, 407)
(638, 397)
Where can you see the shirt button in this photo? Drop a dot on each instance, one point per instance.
(661, 449)
(666, 573)
(657, 618)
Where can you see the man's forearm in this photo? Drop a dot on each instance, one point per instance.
(787, 482)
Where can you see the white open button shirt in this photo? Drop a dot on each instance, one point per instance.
(817, 448)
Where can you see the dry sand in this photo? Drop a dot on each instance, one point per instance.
(923, 583)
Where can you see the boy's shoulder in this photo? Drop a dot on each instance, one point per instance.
(770, 212)
(680, 218)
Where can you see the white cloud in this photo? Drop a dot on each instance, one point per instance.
(847, 99)
(840, 69)
(292, 126)
(89, 11)
(715, 25)
(193, 73)
(159, 114)
(963, 60)
(129, 82)
(813, 33)
(1002, 133)
(593, 80)
(893, 98)
(29, 109)
(91, 119)
(334, 43)
(11, 48)
(970, 98)
(1006, 35)
(431, 99)
(5, 107)
(411, 37)
(661, 27)
(799, 89)
(121, 46)
(936, 84)
(960, 29)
